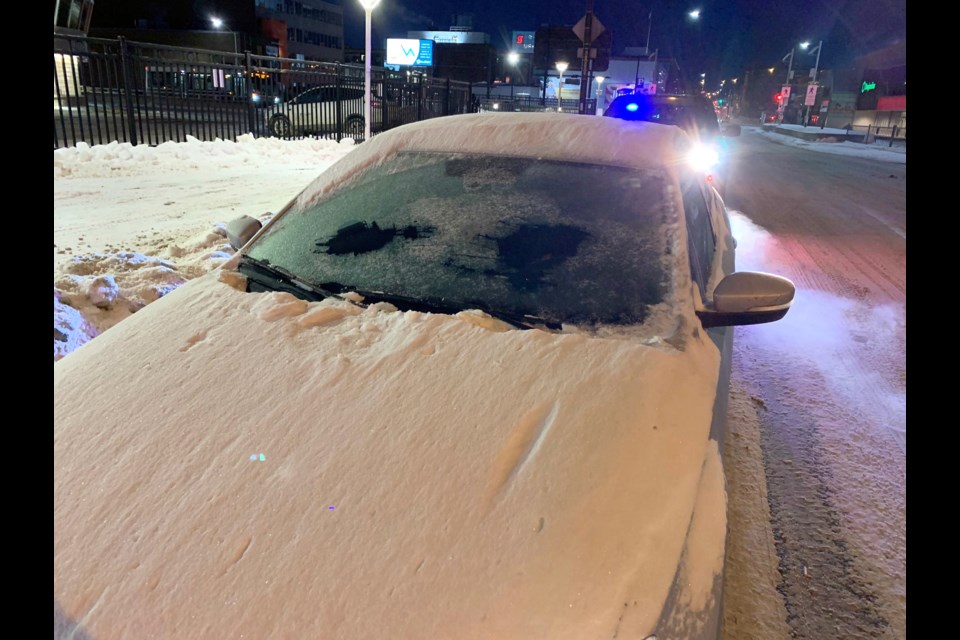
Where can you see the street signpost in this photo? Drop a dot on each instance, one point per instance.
(809, 100)
(587, 29)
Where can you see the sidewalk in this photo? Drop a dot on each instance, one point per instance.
(832, 143)
(814, 133)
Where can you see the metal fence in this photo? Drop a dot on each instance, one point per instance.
(116, 90)
(877, 133)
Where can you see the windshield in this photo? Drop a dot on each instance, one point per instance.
(562, 241)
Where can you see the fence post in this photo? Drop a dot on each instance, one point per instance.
(446, 100)
(338, 104)
(421, 89)
(893, 134)
(127, 82)
(248, 73)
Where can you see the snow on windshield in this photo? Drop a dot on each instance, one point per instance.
(513, 235)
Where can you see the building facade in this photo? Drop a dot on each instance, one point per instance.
(882, 92)
(306, 30)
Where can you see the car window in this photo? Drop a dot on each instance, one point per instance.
(309, 97)
(563, 241)
(700, 234)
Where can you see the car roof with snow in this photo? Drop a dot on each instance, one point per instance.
(558, 136)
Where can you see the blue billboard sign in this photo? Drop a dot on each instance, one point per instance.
(409, 52)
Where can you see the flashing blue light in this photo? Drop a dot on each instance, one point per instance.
(633, 106)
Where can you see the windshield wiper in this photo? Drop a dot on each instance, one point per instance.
(279, 279)
(451, 307)
(282, 280)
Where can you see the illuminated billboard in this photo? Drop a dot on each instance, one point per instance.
(409, 52)
(523, 41)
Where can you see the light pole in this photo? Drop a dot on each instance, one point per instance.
(600, 80)
(561, 67)
(703, 81)
(368, 6)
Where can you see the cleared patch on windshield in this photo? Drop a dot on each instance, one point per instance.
(360, 238)
(534, 249)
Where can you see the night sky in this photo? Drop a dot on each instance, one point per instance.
(730, 35)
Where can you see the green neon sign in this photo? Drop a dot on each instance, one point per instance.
(868, 86)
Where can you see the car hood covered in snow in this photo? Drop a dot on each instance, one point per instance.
(232, 464)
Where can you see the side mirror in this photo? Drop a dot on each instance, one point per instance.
(240, 230)
(731, 131)
(748, 297)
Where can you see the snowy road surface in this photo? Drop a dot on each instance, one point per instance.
(822, 393)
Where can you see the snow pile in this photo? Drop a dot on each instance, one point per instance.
(122, 158)
(95, 291)
(70, 328)
(896, 154)
(133, 223)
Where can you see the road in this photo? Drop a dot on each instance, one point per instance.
(817, 447)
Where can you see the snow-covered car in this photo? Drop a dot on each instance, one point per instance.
(470, 383)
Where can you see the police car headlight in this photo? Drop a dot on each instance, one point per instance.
(703, 158)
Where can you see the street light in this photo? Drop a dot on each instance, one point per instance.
(561, 67)
(217, 23)
(514, 59)
(694, 15)
(368, 6)
(703, 81)
(599, 80)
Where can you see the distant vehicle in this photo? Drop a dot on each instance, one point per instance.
(331, 109)
(692, 113)
(326, 109)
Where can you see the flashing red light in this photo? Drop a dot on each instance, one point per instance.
(710, 178)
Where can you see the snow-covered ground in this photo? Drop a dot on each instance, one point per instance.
(133, 223)
(879, 150)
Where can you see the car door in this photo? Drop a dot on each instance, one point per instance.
(303, 110)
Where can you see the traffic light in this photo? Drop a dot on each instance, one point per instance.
(778, 97)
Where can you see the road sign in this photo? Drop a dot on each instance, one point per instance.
(595, 28)
(785, 92)
(811, 98)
